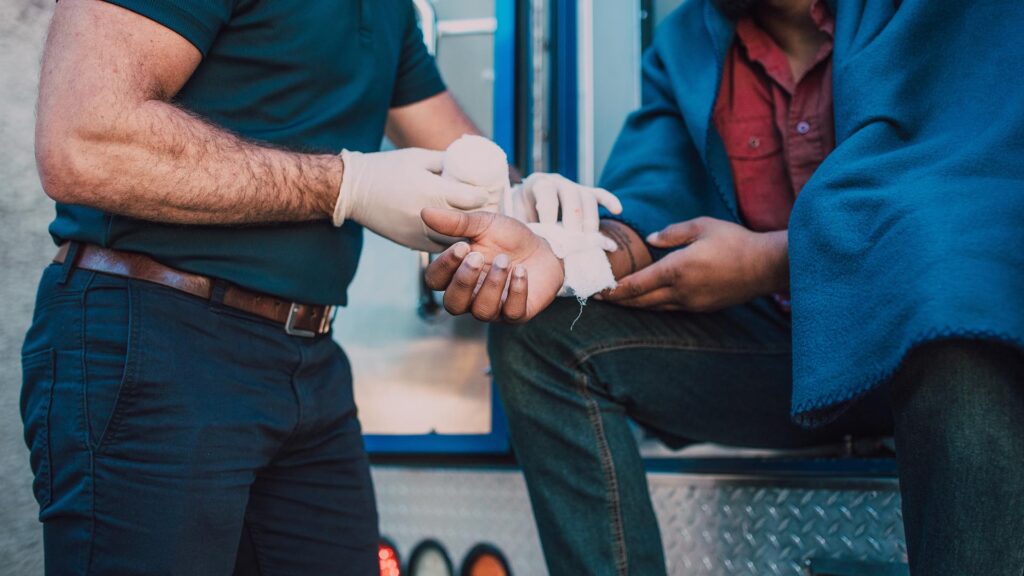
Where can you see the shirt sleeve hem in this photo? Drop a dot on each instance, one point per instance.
(410, 94)
(174, 18)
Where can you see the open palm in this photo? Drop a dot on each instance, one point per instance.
(505, 246)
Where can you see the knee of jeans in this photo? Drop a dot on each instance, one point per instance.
(962, 398)
(521, 353)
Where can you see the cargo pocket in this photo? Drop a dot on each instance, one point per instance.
(36, 400)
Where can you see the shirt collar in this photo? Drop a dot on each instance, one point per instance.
(762, 49)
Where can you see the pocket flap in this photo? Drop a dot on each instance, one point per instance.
(751, 138)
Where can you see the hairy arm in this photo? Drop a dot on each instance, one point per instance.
(108, 137)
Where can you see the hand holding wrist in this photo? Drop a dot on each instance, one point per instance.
(385, 191)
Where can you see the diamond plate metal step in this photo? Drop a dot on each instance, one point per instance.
(710, 525)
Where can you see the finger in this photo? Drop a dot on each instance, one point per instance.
(639, 283)
(588, 202)
(458, 297)
(440, 272)
(487, 302)
(608, 244)
(546, 194)
(514, 309)
(660, 299)
(455, 223)
(608, 200)
(528, 203)
(511, 202)
(467, 197)
(572, 207)
(678, 234)
(430, 160)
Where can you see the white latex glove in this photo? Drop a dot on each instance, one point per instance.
(540, 196)
(477, 161)
(385, 191)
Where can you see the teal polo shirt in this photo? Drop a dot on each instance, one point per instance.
(306, 75)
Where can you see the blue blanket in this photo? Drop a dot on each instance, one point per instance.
(913, 228)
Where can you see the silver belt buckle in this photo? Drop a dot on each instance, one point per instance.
(289, 324)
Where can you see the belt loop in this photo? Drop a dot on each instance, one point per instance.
(69, 262)
(217, 293)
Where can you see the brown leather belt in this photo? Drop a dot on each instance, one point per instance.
(297, 319)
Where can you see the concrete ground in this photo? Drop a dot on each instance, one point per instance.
(24, 249)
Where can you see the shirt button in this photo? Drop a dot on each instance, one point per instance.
(754, 142)
(803, 127)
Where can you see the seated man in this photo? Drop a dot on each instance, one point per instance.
(907, 315)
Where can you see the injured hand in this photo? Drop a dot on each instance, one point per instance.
(504, 271)
(575, 239)
(477, 161)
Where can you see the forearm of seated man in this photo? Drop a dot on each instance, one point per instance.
(717, 264)
(632, 253)
(722, 264)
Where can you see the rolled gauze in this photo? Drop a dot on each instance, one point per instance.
(477, 161)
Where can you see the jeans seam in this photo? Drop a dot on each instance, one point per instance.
(84, 347)
(129, 379)
(587, 353)
(257, 549)
(611, 479)
(92, 513)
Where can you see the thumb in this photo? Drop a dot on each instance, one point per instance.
(678, 234)
(466, 197)
(457, 224)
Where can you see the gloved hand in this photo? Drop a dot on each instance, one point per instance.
(539, 197)
(385, 191)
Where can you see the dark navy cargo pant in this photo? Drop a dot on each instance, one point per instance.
(173, 435)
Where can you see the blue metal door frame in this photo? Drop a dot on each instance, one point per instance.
(504, 135)
(565, 90)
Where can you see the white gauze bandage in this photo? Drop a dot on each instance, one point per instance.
(477, 161)
(587, 270)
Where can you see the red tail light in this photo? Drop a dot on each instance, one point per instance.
(390, 565)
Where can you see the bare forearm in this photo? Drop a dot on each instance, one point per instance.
(767, 272)
(776, 261)
(160, 163)
(107, 136)
(632, 253)
(434, 124)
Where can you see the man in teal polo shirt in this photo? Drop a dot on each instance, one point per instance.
(213, 163)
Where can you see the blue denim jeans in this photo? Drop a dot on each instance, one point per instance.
(725, 377)
(174, 435)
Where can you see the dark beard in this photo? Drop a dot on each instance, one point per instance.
(735, 9)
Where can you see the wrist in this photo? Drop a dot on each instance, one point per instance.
(342, 205)
(335, 175)
(550, 253)
(774, 262)
(632, 254)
